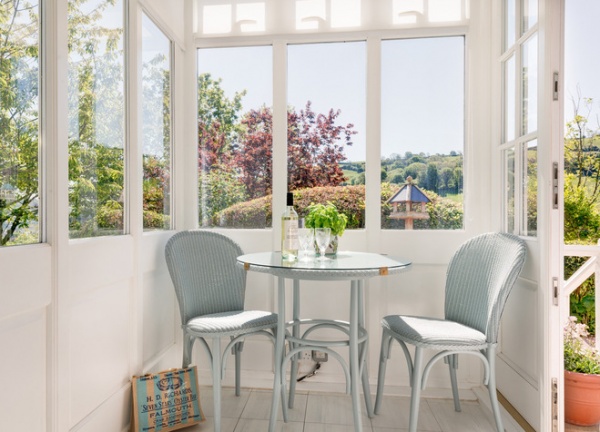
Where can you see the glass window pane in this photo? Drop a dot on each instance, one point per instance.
(422, 133)
(156, 126)
(235, 123)
(326, 126)
(96, 118)
(509, 200)
(530, 14)
(582, 128)
(530, 190)
(19, 123)
(509, 99)
(529, 82)
(509, 23)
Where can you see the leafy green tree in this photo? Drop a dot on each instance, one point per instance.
(417, 170)
(458, 179)
(96, 120)
(218, 122)
(447, 178)
(19, 65)
(581, 202)
(432, 179)
(384, 174)
(156, 130)
(218, 129)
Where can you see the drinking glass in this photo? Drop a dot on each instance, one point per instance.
(322, 237)
(306, 240)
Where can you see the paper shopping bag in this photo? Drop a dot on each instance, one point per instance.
(166, 401)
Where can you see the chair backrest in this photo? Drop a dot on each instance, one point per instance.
(480, 277)
(204, 272)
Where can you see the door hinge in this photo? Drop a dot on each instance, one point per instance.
(555, 185)
(555, 86)
(554, 405)
(555, 291)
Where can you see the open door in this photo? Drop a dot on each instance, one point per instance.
(527, 205)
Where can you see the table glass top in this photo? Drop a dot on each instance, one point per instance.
(344, 260)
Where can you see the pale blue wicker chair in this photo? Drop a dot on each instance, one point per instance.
(479, 279)
(210, 289)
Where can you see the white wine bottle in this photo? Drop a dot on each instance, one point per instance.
(289, 231)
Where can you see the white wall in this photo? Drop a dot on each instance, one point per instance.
(79, 318)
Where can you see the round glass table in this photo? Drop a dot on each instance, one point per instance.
(355, 267)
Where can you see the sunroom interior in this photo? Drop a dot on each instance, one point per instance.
(137, 119)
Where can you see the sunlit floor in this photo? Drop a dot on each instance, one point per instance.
(332, 412)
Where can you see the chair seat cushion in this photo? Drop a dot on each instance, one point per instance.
(434, 333)
(231, 323)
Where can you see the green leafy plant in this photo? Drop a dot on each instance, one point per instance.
(580, 356)
(326, 216)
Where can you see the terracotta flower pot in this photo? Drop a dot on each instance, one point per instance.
(582, 399)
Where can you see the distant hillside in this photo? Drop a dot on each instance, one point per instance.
(442, 174)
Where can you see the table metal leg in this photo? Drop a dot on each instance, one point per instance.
(354, 363)
(296, 334)
(364, 351)
(278, 352)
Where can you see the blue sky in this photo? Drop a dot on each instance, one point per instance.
(582, 62)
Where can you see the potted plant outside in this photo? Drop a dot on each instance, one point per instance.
(582, 376)
(327, 216)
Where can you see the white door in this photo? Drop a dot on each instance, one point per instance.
(525, 155)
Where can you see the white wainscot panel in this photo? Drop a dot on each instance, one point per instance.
(516, 368)
(25, 278)
(160, 316)
(519, 325)
(112, 415)
(99, 348)
(97, 262)
(422, 246)
(23, 372)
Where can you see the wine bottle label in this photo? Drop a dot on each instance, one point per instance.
(290, 229)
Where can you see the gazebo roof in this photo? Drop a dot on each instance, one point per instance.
(409, 192)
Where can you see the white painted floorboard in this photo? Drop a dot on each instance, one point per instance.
(331, 412)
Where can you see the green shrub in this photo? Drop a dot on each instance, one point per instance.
(257, 213)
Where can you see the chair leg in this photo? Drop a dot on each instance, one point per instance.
(293, 377)
(453, 366)
(238, 366)
(365, 379)
(491, 356)
(216, 378)
(188, 343)
(415, 396)
(383, 356)
(284, 405)
(283, 393)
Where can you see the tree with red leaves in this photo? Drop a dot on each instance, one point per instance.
(235, 153)
(315, 149)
